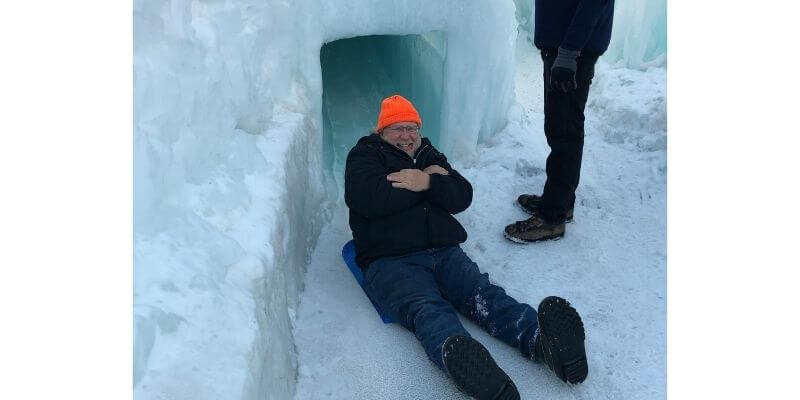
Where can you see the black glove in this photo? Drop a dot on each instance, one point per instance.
(562, 74)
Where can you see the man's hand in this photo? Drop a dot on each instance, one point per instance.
(435, 169)
(411, 179)
(562, 74)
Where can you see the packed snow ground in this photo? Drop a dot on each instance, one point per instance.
(611, 264)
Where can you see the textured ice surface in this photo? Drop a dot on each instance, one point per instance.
(231, 186)
(639, 37)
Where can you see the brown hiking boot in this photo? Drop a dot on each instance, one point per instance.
(530, 203)
(533, 229)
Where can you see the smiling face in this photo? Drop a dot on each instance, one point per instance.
(403, 135)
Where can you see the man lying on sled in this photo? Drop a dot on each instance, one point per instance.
(402, 194)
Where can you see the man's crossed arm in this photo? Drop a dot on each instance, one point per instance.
(415, 180)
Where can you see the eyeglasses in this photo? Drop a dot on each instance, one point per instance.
(400, 129)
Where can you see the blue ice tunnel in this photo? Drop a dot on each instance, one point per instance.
(357, 73)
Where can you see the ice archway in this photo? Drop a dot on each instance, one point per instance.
(236, 151)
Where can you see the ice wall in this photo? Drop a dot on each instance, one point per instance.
(525, 15)
(227, 198)
(639, 36)
(480, 42)
(230, 187)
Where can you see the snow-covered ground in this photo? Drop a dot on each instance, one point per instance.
(611, 264)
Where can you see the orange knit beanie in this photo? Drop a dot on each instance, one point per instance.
(397, 109)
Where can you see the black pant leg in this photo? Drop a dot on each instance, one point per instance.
(563, 127)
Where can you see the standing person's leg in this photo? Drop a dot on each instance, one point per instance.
(484, 303)
(564, 128)
(404, 288)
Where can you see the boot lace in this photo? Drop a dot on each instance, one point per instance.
(532, 222)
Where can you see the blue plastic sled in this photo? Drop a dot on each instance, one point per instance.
(349, 256)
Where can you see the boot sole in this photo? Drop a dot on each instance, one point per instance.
(475, 372)
(567, 220)
(563, 330)
(523, 241)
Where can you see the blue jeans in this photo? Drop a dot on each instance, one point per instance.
(423, 291)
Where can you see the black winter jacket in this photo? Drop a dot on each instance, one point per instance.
(574, 25)
(389, 221)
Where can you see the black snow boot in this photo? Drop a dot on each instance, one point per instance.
(474, 371)
(559, 343)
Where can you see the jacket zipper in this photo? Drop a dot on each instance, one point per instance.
(428, 224)
(419, 154)
(425, 207)
(413, 160)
